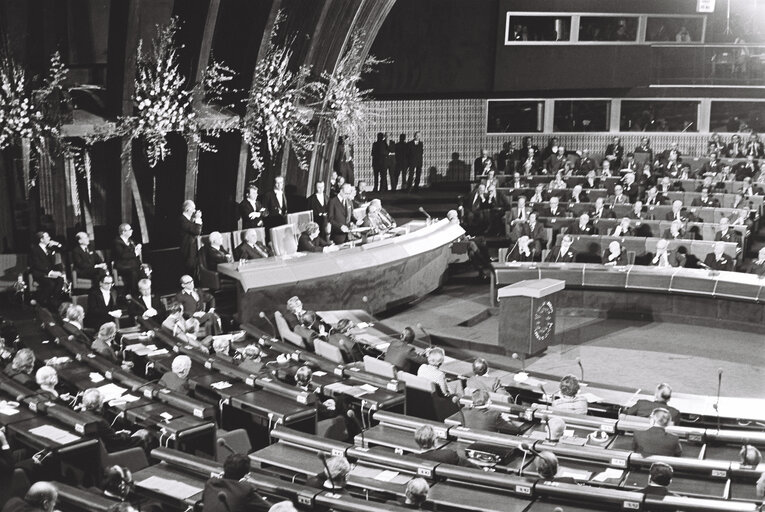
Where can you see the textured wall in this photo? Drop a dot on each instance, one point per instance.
(451, 125)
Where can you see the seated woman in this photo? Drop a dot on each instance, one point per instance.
(570, 399)
(432, 372)
(614, 255)
(104, 342)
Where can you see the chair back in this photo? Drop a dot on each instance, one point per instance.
(237, 439)
(237, 237)
(284, 240)
(417, 383)
(378, 367)
(300, 219)
(328, 351)
(285, 333)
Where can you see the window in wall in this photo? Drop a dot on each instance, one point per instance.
(737, 116)
(659, 116)
(581, 115)
(507, 116)
(608, 28)
(522, 29)
(676, 30)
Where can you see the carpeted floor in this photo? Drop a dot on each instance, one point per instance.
(630, 353)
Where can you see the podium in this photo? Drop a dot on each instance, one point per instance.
(527, 312)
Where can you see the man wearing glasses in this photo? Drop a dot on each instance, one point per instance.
(102, 304)
(198, 304)
(127, 258)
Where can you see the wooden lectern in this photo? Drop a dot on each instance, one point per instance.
(527, 315)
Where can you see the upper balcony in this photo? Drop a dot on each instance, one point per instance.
(708, 65)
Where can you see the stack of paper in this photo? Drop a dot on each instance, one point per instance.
(55, 434)
(174, 488)
(111, 391)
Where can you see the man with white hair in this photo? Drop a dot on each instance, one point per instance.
(578, 195)
(74, 320)
(623, 229)
(675, 231)
(564, 253)
(661, 396)
(718, 260)
(666, 258)
(584, 227)
(250, 248)
(678, 212)
(146, 305)
(432, 371)
(191, 228)
(726, 234)
(614, 255)
(213, 253)
(177, 378)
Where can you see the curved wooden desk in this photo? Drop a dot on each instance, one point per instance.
(723, 299)
(388, 272)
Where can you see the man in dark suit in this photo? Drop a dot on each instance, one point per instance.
(146, 305)
(645, 147)
(535, 231)
(584, 227)
(41, 497)
(251, 209)
(275, 203)
(310, 241)
(711, 166)
(585, 164)
(679, 213)
(661, 396)
(705, 200)
(718, 260)
(754, 146)
(601, 211)
(736, 147)
(250, 248)
(229, 493)
(555, 210)
(213, 253)
(318, 202)
(48, 275)
(126, 256)
(344, 165)
(726, 234)
(199, 304)
(390, 158)
(758, 266)
(745, 169)
(340, 215)
(425, 437)
(402, 158)
(402, 354)
(483, 164)
(564, 253)
(102, 304)
(191, 227)
(655, 440)
(85, 260)
(481, 417)
(615, 152)
(414, 162)
(379, 157)
(177, 379)
(659, 478)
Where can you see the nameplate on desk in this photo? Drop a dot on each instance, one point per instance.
(720, 473)
(250, 381)
(33, 406)
(337, 452)
(148, 393)
(398, 450)
(631, 505)
(80, 428)
(302, 399)
(620, 463)
(208, 364)
(108, 374)
(440, 433)
(339, 371)
(694, 437)
(523, 489)
(392, 386)
(216, 474)
(609, 429)
(199, 413)
(426, 472)
(305, 500)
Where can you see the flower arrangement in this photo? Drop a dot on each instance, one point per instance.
(163, 101)
(275, 106)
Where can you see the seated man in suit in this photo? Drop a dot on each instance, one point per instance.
(308, 329)
(74, 320)
(481, 379)
(85, 260)
(102, 304)
(534, 230)
(230, 491)
(212, 253)
(661, 396)
(425, 437)
(402, 354)
(310, 241)
(334, 477)
(41, 497)
(416, 493)
(570, 400)
(546, 464)
(618, 197)
(655, 440)
(294, 313)
(523, 250)
(718, 260)
(555, 427)
(601, 211)
(46, 378)
(555, 210)
(666, 258)
(48, 274)
(199, 304)
(114, 440)
(659, 478)
(614, 254)
(564, 253)
(177, 379)
(679, 213)
(578, 195)
(482, 417)
(21, 367)
(758, 265)
(675, 231)
(252, 359)
(726, 234)
(250, 248)
(623, 228)
(432, 370)
(146, 305)
(705, 200)
(653, 198)
(584, 227)
(340, 336)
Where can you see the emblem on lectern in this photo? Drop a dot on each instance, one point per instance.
(543, 321)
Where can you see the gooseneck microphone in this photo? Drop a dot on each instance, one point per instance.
(224, 444)
(265, 317)
(352, 415)
(522, 359)
(430, 339)
(581, 369)
(422, 211)
(323, 457)
(456, 401)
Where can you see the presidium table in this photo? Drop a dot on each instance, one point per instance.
(390, 271)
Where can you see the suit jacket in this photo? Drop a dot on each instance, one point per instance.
(210, 257)
(616, 150)
(711, 166)
(339, 214)
(536, 234)
(485, 382)
(725, 262)
(402, 154)
(729, 236)
(757, 268)
(379, 153)
(84, 262)
(708, 202)
(515, 254)
(190, 306)
(320, 211)
(685, 216)
(190, 230)
(589, 229)
(483, 418)
(414, 155)
(245, 251)
(754, 148)
(404, 357)
(619, 260)
(656, 441)
(136, 307)
(19, 505)
(674, 258)
(98, 310)
(277, 214)
(444, 455)
(124, 256)
(305, 244)
(174, 383)
(735, 150)
(245, 209)
(606, 213)
(644, 408)
(41, 263)
(555, 256)
(240, 496)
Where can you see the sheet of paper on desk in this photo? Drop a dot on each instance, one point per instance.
(8, 411)
(168, 487)
(609, 474)
(95, 377)
(576, 474)
(368, 387)
(159, 352)
(591, 397)
(356, 391)
(386, 476)
(54, 434)
(319, 373)
(111, 391)
(338, 387)
(362, 325)
(382, 347)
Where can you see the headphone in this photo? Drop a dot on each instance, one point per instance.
(125, 484)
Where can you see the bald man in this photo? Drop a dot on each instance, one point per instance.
(41, 497)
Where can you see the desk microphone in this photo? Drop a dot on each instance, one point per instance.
(523, 361)
(224, 444)
(456, 401)
(146, 384)
(422, 211)
(581, 368)
(265, 317)
(323, 457)
(352, 415)
(430, 340)
(716, 405)
(365, 300)
(223, 499)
